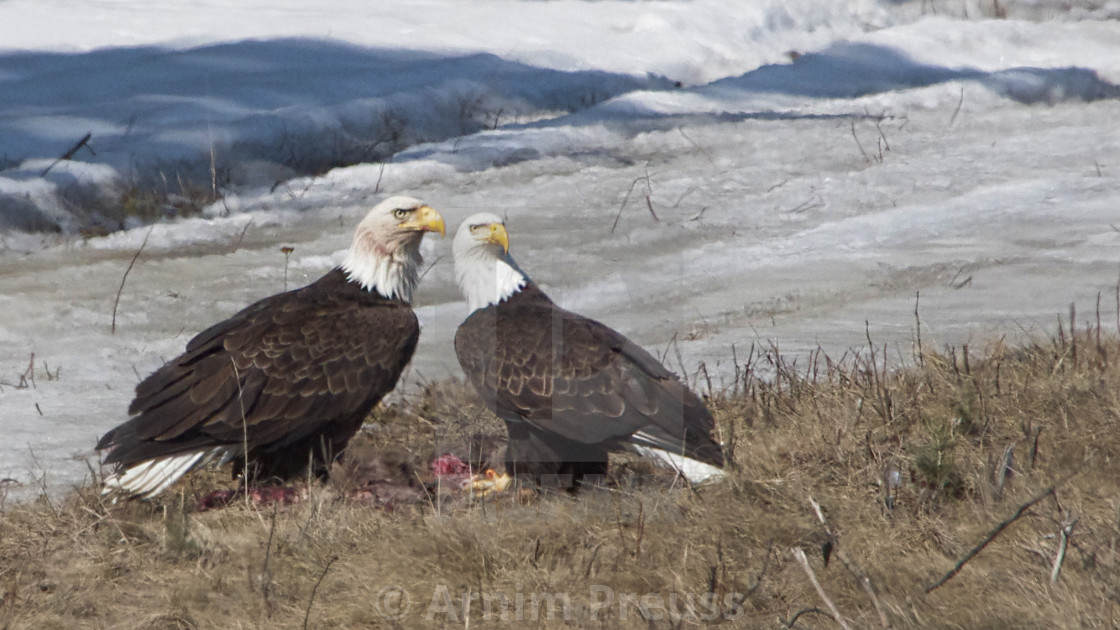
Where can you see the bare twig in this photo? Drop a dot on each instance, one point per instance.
(380, 174)
(69, 154)
(699, 216)
(709, 158)
(116, 302)
(860, 144)
(311, 600)
(1005, 469)
(1100, 348)
(814, 202)
(883, 143)
(918, 327)
(241, 237)
(691, 189)
(865, 582)
(778, 185)
(649, 204)
(957, 111)
(626, 198)
(213, 172)
(430, 265)
(266, 575)
(860, 576)
(799, 555)
(1063, 544)
(803, 611)
(244, 435)
(819, 512)
(991, 536)
(1073, 332)
(668, 346)
(287, 251)
(44, 493)
(28, 375)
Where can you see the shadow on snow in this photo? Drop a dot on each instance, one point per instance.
(260, 112)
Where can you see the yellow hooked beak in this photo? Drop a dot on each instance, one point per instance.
(426, 219)
(499, 236)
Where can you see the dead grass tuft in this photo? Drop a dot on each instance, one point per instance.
(913, 469)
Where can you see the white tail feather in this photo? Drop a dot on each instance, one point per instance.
(150, 478)
(693, 470)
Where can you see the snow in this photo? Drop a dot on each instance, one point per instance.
(818, 166)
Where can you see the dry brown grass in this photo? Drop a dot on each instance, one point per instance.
(645, 552)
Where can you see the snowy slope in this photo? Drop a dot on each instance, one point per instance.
(819, 164)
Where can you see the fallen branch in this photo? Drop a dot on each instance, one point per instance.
(991, 536)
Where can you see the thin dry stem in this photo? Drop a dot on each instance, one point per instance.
(117, 300)
(799, 555)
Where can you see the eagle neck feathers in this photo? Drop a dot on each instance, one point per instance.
(486, 280)
(391, 272)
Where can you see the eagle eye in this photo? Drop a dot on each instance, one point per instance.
(401, 213)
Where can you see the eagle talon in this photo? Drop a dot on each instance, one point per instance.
(489, 482)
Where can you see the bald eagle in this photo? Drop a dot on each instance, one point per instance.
(569, 388)
(290, 378)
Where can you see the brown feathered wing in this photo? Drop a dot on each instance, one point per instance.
(290, 376)
(574, 380)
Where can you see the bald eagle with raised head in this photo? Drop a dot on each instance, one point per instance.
(291, 378)
(569, 388)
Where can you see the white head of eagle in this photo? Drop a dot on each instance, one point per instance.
(484, 269)
(385, 254)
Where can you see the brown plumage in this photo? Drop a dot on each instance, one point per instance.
(569, 388)
(291, 377)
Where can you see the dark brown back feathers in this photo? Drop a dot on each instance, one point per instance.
(565, 375)
(292, 373)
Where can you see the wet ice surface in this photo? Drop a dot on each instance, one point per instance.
(773, 225)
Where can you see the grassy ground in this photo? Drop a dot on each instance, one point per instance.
(913, 469)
